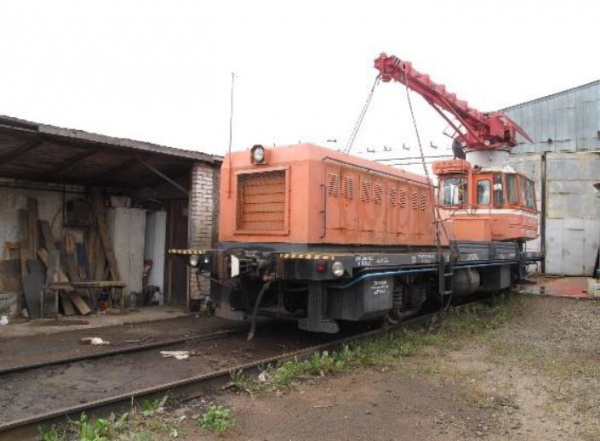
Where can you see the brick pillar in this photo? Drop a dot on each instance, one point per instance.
(203, 219)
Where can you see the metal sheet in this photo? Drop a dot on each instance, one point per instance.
(554, 246)
(572, 213)
(573, 255)
(571, 119)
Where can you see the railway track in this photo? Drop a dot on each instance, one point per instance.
(191, 382)
(123, 350)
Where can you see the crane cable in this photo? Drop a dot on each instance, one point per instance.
(436, 214)
(361, 116)
(436, 209)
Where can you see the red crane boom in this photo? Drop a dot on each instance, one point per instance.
(482, 131)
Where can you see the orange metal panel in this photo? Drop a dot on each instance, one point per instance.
(329, 197)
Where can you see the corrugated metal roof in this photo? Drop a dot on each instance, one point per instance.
(562, 92)
(39, 152)
(565, 121)
(83, 136)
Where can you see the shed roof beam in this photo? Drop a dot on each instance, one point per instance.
(70, 162)
(115, 170)
(162, 175)
(4, 159)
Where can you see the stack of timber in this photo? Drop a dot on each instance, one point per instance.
(39, 258)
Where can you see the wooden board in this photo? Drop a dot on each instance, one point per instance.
(12, 250)
(90, 284)
(69, 298)
(104, 237)
(83, 264)
(79, 303)
(32, 208)
(49, 240)
(66, 304)
(91, 244)
(99, 267)
(10, 275)
(62, 256)
(52, 262)
(23, 217)
(71, 258)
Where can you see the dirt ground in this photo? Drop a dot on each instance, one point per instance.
(537, 377)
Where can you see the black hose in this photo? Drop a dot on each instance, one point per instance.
(261, 293)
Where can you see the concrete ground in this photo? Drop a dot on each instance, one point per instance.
(22, 327)
(40, 341)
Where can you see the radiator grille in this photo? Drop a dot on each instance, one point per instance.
(366, 191)
(402, 199)
(414, 200)
(378, 194)
(392, 196)
(261, 201)
(422, 201)
(348, 187)
(333, 184)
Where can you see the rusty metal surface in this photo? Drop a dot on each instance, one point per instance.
(572, 287)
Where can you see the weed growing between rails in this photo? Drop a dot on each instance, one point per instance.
(147, 422)
(453, 328)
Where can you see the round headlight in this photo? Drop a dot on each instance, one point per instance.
(258, 154)
(337, 269)
(194, 259)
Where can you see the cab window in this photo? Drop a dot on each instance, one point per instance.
(498, 191)
(512, 189)
(523, 190)
(453, 191)
(530, 194)
(484, 189)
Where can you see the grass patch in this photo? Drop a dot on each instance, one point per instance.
(217, 419)
(451, 330)
(146, 422)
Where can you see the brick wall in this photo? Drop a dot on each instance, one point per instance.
(203, 218)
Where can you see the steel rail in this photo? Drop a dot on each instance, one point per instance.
(124, 350)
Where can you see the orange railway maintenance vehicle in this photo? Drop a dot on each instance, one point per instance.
(323, 237)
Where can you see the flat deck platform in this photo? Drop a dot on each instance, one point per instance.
(571, 287)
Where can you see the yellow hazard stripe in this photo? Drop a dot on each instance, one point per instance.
(186, 251)
(289, 256)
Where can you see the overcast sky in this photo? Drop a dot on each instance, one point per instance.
(160, 71)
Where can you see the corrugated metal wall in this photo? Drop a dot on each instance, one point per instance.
(565, 127)
(572, 209)
(572, 213)
(570, 119)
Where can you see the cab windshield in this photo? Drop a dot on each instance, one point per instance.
(453, 191)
